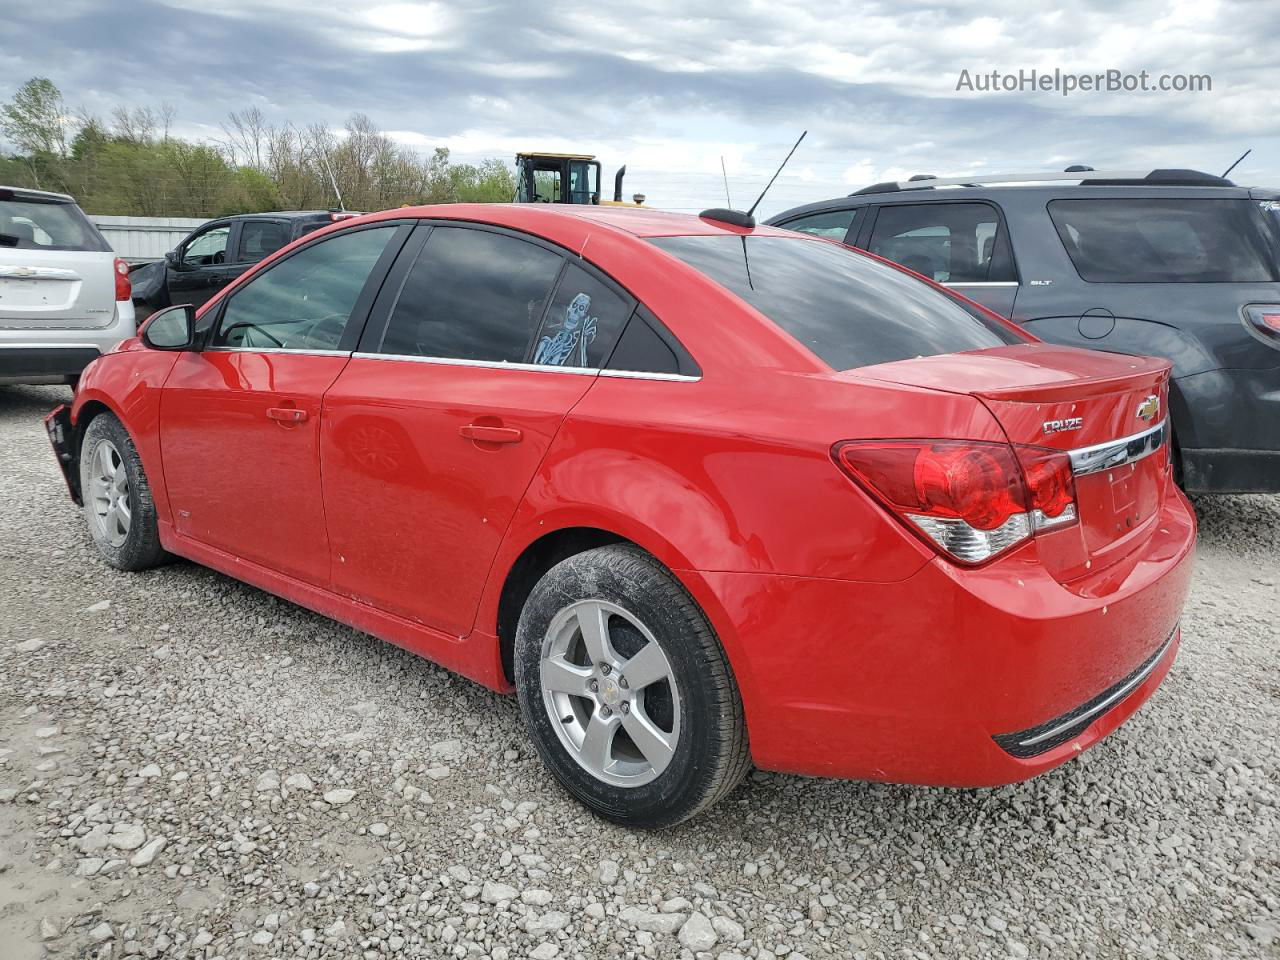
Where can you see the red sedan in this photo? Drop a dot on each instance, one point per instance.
(704, 496)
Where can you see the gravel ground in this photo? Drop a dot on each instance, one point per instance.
(192, 768)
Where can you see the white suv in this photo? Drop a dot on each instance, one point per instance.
(64, 295)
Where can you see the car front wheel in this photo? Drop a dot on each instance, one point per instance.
(117, 497)
(626, 690)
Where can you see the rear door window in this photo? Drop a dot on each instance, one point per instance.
(472, 295)
(1167, 241)
(45, 225)
(846, 308)
(260, 238)
(830, 225)
(946, 242)
(584, 322)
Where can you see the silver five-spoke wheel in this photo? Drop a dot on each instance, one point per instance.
(610, 693)
(109, 493)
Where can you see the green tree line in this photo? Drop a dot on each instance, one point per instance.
(131, 165)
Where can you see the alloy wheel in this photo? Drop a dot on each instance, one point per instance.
(610, 693)
(109, 494)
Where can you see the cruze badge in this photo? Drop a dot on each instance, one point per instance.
(1067, 423)
(1149, 407)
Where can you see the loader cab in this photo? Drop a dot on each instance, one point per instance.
(557, 178)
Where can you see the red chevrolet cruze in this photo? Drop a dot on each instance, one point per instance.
(705, 496)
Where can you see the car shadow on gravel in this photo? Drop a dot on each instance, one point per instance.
(1244, 523)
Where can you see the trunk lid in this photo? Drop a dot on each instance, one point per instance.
(1105, 410)
(56, 289)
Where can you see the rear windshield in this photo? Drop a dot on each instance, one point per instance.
(848, 309)
(1167, 241)
(46, 225)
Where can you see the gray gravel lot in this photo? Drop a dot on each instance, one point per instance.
(192, 768)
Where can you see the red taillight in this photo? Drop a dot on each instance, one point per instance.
(124, 289)
(1051, 486)
(973, 500)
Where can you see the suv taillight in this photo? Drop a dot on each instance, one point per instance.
(971, 500)
(1265, 319)
(124, 289)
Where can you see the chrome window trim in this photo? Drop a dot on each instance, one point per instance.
(1117, 453)
(291, 350)
(1106, 704)
(486, 364)
(642, 375)
(527, 367)
(981, 283)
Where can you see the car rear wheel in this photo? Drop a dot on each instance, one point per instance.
(626, 691)
(117, 498)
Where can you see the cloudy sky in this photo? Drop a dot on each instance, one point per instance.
(668, 88)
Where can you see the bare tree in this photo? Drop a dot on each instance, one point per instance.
(134, 126)
(248, 135)
(167, 114)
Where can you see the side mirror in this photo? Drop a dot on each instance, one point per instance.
(173, 328)
(174, 260)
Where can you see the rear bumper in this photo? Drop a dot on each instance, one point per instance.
(45, 363)
(925, 681)
(58, 355)
(1231, 471)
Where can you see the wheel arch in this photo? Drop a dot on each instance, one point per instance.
(85, 412)
(528, 568)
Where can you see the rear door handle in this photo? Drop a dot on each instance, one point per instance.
(476, 431)
(287, 414)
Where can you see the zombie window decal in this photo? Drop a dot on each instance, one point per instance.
(568, 347)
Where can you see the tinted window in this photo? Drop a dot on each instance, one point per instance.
(208, 249)
(832, 225)
(258, 238)
(304, 301)
(36, 225)
(472, 295)
(845, 307)
(1166, 241)
(643, 349)
(583, 323)
(946, 242)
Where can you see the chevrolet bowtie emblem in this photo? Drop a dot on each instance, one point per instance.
(1149, 407)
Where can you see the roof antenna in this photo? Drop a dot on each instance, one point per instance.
(1237, 163)
(728, 202)
(736, 217)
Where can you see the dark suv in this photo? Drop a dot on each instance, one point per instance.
(217, 252)
(1174, 263)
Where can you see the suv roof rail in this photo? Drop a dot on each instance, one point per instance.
(1083, 175)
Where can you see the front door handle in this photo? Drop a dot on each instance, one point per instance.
(287, 414)
(486, 434)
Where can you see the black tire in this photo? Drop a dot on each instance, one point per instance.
(710, 756)
(140, 547)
